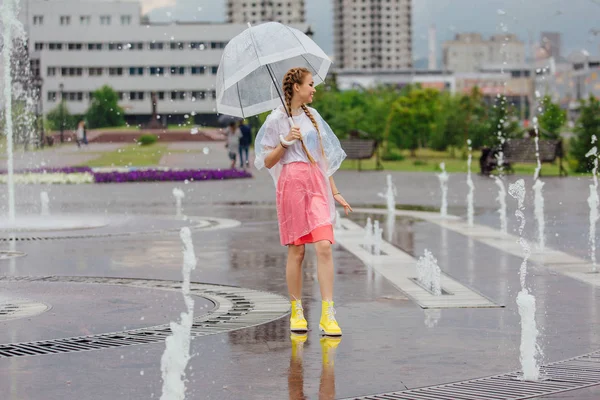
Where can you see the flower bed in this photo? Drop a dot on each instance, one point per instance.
(118, 175)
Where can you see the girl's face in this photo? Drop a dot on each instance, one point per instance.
(306, 90)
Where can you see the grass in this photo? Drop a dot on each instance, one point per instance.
(427, 160)
(130, 156)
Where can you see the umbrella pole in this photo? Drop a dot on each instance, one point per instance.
(279, 92)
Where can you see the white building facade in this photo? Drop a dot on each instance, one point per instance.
(255, 11)
(468, 52)
(372, 34)
(83, 45)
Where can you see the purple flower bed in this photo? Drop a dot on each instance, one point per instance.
(169, 176)
(62, 170)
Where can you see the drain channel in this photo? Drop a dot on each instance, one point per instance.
(562, 376)
(235, 308)
(196, 224)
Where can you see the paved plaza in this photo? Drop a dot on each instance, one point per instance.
(117, 284)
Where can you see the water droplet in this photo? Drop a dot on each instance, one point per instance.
(206, 150)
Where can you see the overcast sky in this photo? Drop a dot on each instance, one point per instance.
(575, 19)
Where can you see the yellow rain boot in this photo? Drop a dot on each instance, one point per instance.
(328, 346)
(328, 325)
(298, 344)
(297, 321)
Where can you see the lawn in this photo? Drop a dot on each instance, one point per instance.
(130, 156)
(427, 160)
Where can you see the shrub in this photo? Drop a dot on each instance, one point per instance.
(390, 155)
(147, 139)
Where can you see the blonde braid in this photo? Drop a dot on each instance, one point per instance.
(292, 77)
(314, 122)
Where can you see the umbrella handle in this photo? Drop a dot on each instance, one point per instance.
(291, 142)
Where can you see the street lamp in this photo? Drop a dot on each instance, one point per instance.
(39, 109)
(62, 111)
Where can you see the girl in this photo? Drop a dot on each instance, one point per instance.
(301, 161)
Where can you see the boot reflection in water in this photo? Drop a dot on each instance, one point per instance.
(327, 385)
(296, 371)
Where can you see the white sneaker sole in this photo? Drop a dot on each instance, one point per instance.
(325, 333)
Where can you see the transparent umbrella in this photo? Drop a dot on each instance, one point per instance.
(253, 65)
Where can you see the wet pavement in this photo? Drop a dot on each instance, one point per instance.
(389, 342)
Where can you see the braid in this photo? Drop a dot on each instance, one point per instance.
(292, 77)
(314, 122)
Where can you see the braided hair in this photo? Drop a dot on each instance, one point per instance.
(293, 76)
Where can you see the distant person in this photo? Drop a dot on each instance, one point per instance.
(233, 141)
(245, 143)
(85, 140)
(79, 134)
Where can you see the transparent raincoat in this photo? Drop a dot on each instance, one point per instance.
(304, 198)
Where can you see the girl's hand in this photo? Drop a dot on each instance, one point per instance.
(294, 134)
(340, 199)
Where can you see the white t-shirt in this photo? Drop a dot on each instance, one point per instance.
(295, 153)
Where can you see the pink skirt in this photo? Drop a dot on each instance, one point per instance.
(303, 205)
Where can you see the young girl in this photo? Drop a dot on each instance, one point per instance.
(302, 159)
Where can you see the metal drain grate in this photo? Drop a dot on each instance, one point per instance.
(235, 308)
(21, 308)
(197, 224)
(562, 376)
(5, 255)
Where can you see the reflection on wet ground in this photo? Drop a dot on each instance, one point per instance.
(389, 343)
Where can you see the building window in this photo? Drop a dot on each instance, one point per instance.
(197, 45)
(55, 46)
(105, 20)
(94, 46)
(135, 46)
(35, 67)
(177, 71)
(115, 46)
(198, 70)
(38, 20)
(177, 95)
(51, 96)
(73, 96)
(125, 19)
(198, 95)
(136, 70)
(156, 46)
(115, 71)
(218, 45)
(85, 19)
(71, 71)
(65, 20)
(177, 46)
(214, 69)
(39, 46)
(157, 71)
(213, 94)
(74, 46)
(51, 71)
(95, 71)
(136, 96)
(161, 95)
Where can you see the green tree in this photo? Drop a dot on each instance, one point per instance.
(503, 121)
(552, 119)
(60, 114)
(105, 110)
(588, 125)
(412, 119)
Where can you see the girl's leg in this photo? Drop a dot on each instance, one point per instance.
(293, 271)
(328, 324)
(325, 269)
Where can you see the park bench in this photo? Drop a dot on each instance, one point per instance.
(522, 151)
(359, 148)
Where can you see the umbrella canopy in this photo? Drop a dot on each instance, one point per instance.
(225, 120)
(253, 65)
